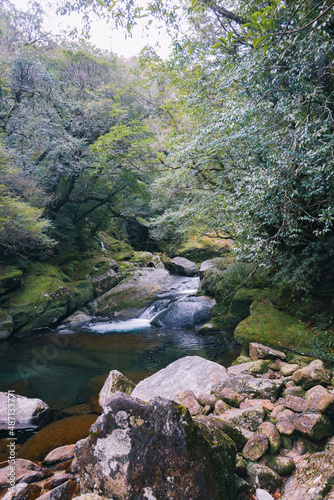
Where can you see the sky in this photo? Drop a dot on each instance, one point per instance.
(103, 36)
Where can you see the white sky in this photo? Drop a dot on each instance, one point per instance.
(103, 36)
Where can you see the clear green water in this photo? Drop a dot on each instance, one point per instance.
(66, 369)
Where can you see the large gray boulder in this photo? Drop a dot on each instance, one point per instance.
(154, 451)
(191, 372)
(116, 381)
(26, 412)
(190, 311)
(183, 266)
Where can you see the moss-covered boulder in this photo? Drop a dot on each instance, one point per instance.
(228, 314)
(6, 325)
(10, 278)
(269, 326)
(99, 270)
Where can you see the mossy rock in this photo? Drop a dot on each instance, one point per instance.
(142, 258)
(242, 300)
(274, 328)
(94, 267)
(120, 299)
(10, 278)
(198, 249)
(47, 270)
(6, 325)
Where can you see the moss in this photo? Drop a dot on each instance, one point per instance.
(129, 297)
(10, 278)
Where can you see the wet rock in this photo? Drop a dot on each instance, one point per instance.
(183, 266)
(311, 375)
(188, 399)
(140, 450)
(76, 320)
(190, 311)
(27, 412)
(296, 404)
(25, 472)
(221, 407)
(283, 466)
(253, 387)
(256, 447)
(191, 372)
(269, 430)
(259, 351)
(116, 381)
(263, 477)
(60, 454)
(314, 426)
(230, 396)
(63, 492)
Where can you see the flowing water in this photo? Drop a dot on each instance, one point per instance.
(65, 369)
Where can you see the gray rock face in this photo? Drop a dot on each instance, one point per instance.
(116, 381)
(28, 412)
(190, 311)
(246, 419)
(191, 372)
(154, 451)
(253, 387)
(183, 266)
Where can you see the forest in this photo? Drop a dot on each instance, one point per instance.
(230, 137)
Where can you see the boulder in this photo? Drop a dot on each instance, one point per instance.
(288, 369)
(263, 495)
(27, 412)
(212, 421)
(25, 472)
(295, 403)
(10, 278)
(256, 447)
(283, 466)
(60, 454)
(188, 399)
(140, 450)
(259, 351)
(183, 266)
(116, 381)
(314, 426)
(263, 477)
(189, 373)
(248, 403)
(252, 387)
(294, 391)
(100, 271)
(63, 492)
(269, 430)
(247, 420)
(221, 407)
(230, 396)
(311, 375)
(190, 311)
(6, 325)
(23, 491)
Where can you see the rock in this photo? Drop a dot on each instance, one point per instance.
(188, 399)
(27, 412)
(259, 367)
(269, 430)
(191, 372)
(154, 451)
(208, 328)
(259, 351)
(263, 495)
(285, 422)
(288, 369)
(242, 488)
(314, 426)
(256, 447)
(238, 369)
(283, 466)
(25, 471)
(241, 360)
(6, 325)
(207, 399)
(60, 433)
(296, 404)
(253, 387)
(263, 477)
(23, 491)
(190, 311)
(230, 396)
(207, 265)
(311, 375)
(77, 319)
(63, 492)
(57, 479)
(278, 409)
(294, 391)
(248, 403)
(221, 407)
(183, 266)
(90, 496)
(241, 466)
(116, 381)
(314, 394)
(326, 405)
(213, 421)
(247, 419)
(10, 278)
(60, 454)
(271, 327)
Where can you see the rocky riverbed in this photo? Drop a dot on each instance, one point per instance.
(263, 427)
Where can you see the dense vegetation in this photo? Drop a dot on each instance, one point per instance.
(231, 137)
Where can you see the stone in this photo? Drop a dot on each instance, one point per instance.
(185, 312)
(283, 466)
(326, 405)
(268, 405)
(23, 491)
(311, 375)
(77, 320)
(213, 421)
(115, 381)
(188, 399)
(314, 395)
(288, 369)
(253, 387)
(207, 265)
(230, 396)
(59, 454)
(241, 466)
(263, 495)
(28, 412)
(259, 367)
(58, 478)
(156, 450)
(277, 410)
(256, 447)
(207, 400)
(191, 372)
(263, 477)
(90, 496)
(25, 472)
(259, 351)
(314, 426)
(183, 266)
(285, 422)
(296, 404)
(240, 360)
(10, 278)
(247, 419)
(6, 325)
(63, 492)
(221, 407)
(294, 391)
(269, 430)
(240, 368)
